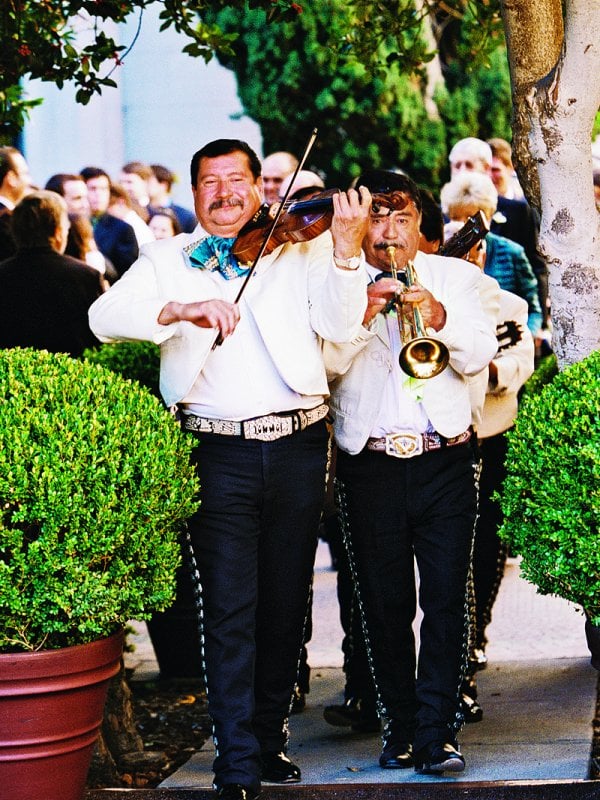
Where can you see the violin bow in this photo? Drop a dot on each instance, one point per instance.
(272, 226)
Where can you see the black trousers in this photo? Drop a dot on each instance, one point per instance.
(357, 672)
(394, 510)
(254, 541)
(489, 555)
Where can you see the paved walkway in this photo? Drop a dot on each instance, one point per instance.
(538, 694)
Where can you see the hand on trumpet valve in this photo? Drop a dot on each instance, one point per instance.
(432, 311)
(379, 294)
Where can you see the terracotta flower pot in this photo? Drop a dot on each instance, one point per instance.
(51, 708)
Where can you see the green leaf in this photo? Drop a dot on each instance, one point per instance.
(86, 547)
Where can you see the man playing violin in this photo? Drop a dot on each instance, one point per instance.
(246, 374)
(405, 473)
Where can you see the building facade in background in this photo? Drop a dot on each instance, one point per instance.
(167, 105)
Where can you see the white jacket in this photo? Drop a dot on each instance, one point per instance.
(514, 363)
(296, 296)
(358, 371)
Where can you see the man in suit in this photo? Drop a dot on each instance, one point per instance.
(405, 479)
(275, 168)
(465, 195)
(14, 184)
(74, 190)
(45, 295)
(159, 189)
(256, 404)
(514, 219)
(115, 238)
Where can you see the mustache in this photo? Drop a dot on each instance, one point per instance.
(385, 245)
(225, 203)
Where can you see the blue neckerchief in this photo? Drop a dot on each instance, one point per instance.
(214, 253)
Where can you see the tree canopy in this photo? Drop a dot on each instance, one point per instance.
(362, 70)
(70, 41)
(313, 71)
(359, 42)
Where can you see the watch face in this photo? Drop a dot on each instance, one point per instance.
(348, 263)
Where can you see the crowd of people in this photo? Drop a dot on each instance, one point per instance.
(319, 377)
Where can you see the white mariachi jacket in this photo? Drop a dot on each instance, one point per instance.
(296, 295)
(358, 371)
(514, 363)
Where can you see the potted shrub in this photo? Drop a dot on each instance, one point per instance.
(95, 484)
(173, 632)
(551, 495)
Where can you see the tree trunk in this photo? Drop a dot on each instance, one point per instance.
(556, 94)
(118, 735)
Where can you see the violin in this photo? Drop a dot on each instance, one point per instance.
(458, 245)
(299, 221)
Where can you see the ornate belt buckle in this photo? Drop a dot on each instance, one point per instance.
(267, 429)
(403, 445)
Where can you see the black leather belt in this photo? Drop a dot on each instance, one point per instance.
(407, 444)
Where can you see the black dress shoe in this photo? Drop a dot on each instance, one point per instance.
(470, 708)
(353, 713)
(298, 701)
(235, 791)
(397, 751)
(396, 755)
(277, 768)
(438, 757)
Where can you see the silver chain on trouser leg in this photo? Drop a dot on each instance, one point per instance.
(499, 574)
(471, 595)
(342, 505)
(188, 555)
(469, 607)
(309, 603)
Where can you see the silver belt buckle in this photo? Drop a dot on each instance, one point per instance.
(403, 445)
(268, 429)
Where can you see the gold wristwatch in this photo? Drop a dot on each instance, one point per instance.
(347, 263)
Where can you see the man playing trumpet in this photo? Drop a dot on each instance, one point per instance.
(405, 477)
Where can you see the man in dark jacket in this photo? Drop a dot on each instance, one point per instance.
(514, 219)
(115, 238)
(14, 183)
(45, 295)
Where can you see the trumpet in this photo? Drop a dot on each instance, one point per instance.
(421, 356)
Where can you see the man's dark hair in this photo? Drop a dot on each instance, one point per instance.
(139, 168)
(383, 181)
(222, 147)
(87, 173)
(56, 183)
(163, 174)
(36, 217)
(7, 161)
(432, 219)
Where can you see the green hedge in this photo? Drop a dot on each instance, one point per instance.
(95, 484)
(551, 495)
(545, 371)
(139, 361)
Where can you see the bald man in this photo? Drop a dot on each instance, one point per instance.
(275, 168)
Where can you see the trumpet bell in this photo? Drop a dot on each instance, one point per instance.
(424, 357)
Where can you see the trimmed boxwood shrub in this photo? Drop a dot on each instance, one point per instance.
(139, 361)
(551, 495)
(545, 371)
(95, 485)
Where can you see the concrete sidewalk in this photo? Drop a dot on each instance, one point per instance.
(538, 694)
